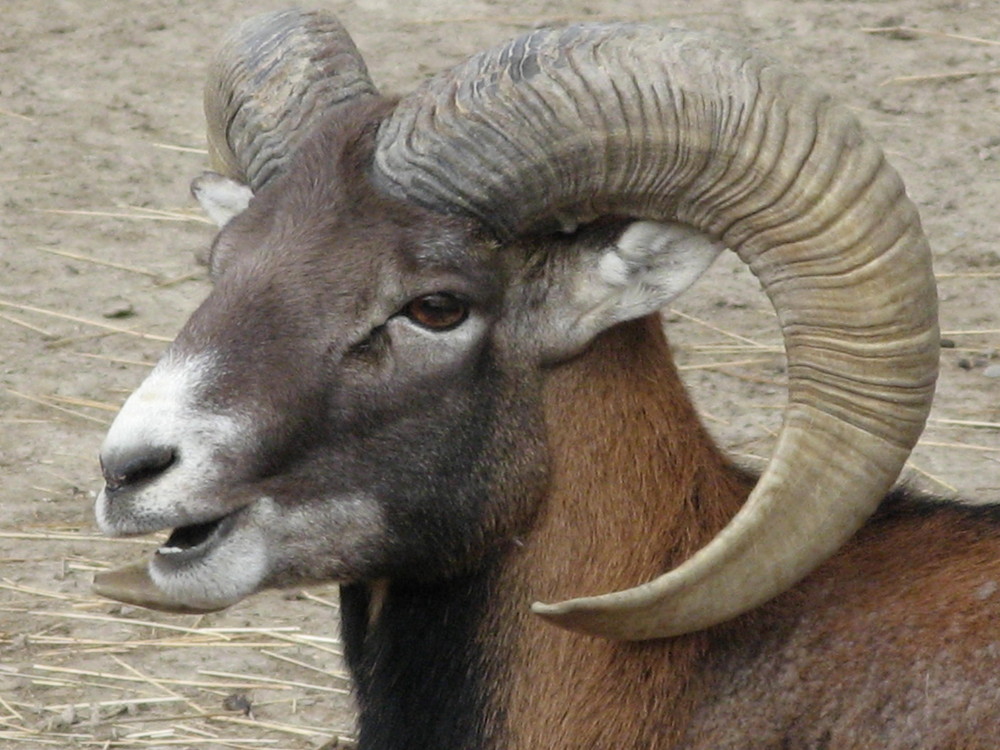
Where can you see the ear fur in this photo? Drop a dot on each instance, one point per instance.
(220, 197)
(649, 265)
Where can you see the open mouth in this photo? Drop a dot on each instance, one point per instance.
(189, 542)
(201, 567)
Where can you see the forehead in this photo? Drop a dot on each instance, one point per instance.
(320, 241)
(328, 247)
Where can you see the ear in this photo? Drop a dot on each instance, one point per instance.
(648, 265)
(221, 197)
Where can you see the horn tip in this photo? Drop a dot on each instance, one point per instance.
(591, 616)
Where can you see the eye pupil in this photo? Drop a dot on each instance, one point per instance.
(437, 312)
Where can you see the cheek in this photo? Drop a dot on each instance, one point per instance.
(342, 539)
(475, 488)
(520, 469)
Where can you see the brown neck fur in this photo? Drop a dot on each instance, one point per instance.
(637, 485)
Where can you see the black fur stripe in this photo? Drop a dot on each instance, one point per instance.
(422, 670)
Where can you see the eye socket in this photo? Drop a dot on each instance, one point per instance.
(437, 312)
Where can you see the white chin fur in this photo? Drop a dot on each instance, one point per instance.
(226, 574)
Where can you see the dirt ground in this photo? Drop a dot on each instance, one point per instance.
(100, 133)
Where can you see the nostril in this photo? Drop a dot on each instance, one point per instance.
(129, 469)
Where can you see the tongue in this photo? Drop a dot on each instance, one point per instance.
(133, 585)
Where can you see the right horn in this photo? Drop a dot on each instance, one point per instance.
(273, 79)
(564, 126)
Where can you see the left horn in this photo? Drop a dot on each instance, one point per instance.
(273, 76)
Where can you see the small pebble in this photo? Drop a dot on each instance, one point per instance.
(896, 26)
(993, 371)
(118, 308)
(238, 702)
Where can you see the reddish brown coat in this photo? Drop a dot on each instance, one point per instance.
(893, 643)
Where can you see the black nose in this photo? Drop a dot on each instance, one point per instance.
(128, 469)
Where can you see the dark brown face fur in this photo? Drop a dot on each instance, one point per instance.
(349, 384)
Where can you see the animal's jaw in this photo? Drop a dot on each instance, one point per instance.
(202, 567)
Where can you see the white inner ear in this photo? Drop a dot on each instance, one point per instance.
(649, 265)
(221, 197)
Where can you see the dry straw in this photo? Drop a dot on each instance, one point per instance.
(83, 321)
(910, 32)
(139, 700)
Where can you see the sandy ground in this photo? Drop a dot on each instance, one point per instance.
(100, 132)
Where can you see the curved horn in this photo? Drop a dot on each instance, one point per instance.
(562, 126)
(272, 77)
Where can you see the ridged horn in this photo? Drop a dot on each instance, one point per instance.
(273, 77)
(566, 125)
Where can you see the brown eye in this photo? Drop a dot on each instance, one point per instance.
(438, 312)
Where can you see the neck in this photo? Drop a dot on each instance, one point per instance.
(633, 469)
(636, 486)
(418, 682)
